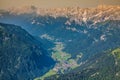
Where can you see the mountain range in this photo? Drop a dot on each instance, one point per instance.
(73, 37)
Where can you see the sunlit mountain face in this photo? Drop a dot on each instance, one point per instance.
(77, 43)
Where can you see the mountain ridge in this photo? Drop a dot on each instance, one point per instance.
(21, 55)
(77, 14)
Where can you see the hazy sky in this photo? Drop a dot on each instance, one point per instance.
(55, 3)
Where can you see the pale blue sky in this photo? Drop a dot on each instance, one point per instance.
(55, 3)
